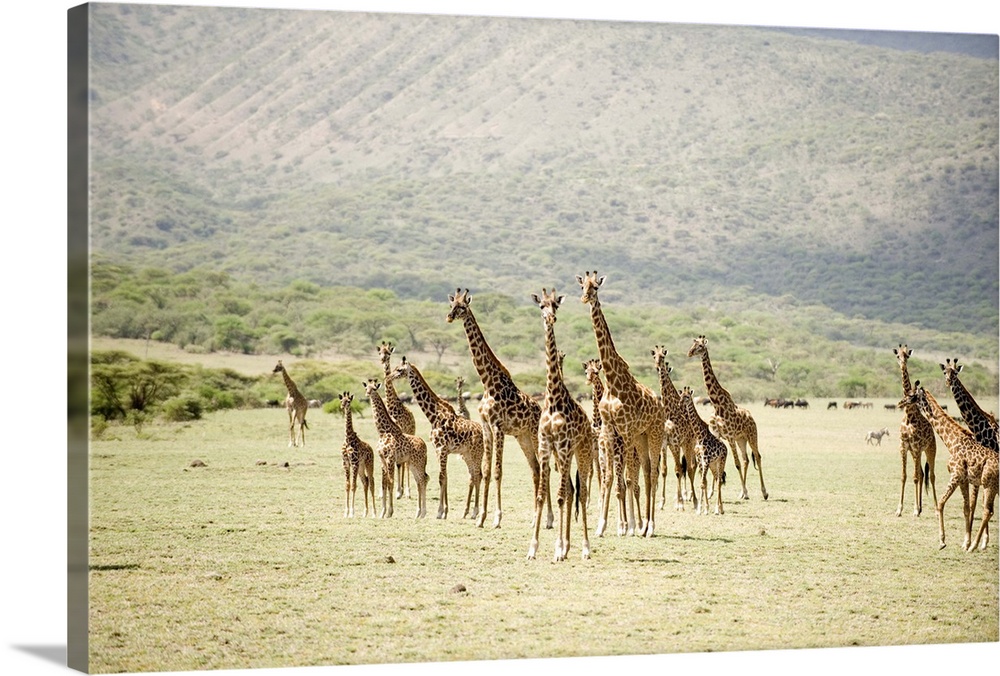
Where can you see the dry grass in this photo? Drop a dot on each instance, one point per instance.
(239, 564)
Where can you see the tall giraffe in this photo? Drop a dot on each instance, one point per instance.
(679, 432)
(734, 423)
(969, 463)
(395, 447)
(564, 433)
(711, 455)
(402, 415)
(450, 433)
(463, 410)
(628, 408)
(359, 460)
(916, 439)
(296, 405)
(981, 423)
(504, 409)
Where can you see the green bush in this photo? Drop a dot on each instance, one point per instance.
(182, 409)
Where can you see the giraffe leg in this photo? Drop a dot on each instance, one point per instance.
(544, 452)
(498, 473)
(529, 446)
(755, 456)
(918, 485)
(902, 484)
(739, 447)
(952, 485)
(584, 497)
(486, 465)
(443, 483)
(421, 477)
(347, 487)
(989, 497)
(704, 487)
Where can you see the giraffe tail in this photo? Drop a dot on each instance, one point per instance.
(723, 482)
(927, 475)
(576, 497)
(305, 424)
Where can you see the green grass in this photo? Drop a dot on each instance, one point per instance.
(240, 565)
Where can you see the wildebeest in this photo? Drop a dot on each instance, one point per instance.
(832, 404)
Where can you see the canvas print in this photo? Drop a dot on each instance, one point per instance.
(412, 338)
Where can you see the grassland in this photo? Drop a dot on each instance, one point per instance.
(241, 565)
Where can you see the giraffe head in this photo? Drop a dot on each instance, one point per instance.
(951, 370)
(402, 371)
(345, 402)
(592, 369)
(902, 354)
(699, 348)
(459, 383)
(371, 387)
(548, 304)
(589, 283)
(279, 368)
(685, 395)
(459, 305)
(916, 397)
(660, 359)
(385, 351)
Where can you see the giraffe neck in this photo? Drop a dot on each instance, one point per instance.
(967, 405)
(671, 397)
(905, 372)
(597, 394)
(554, 385)
(687, 405)
(492, 373)
(292, 390)
(615, 368)
(383, 421)
(942, 423)
(392, 401)
(721, 399)
(434, 407)
(349, 432)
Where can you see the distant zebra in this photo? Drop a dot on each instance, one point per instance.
(876, 435)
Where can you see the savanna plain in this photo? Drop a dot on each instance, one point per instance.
(249, 561)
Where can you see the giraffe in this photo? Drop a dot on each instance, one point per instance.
(503, 410)
(620, 468)
(297, 405)
(969, 463)
(564, 433)
(916, 438)
(734, 423)
(402, 415)
(450, 433)
(981, 423)
(679, 432)
(628, 408)
(359, 460)
(710, 454)
(395, 447)
(463, 410)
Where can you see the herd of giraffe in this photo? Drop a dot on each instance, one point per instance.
(623, 440)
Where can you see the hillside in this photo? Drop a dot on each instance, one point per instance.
(421, 153)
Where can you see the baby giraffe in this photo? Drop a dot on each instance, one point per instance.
(710, 454)
(395, 447)
(359, 460)
(565, 433)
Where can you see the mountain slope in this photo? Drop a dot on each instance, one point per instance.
(421, 153)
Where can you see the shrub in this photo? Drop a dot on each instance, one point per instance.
(182, 409)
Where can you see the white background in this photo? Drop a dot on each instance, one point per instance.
(33, 381)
